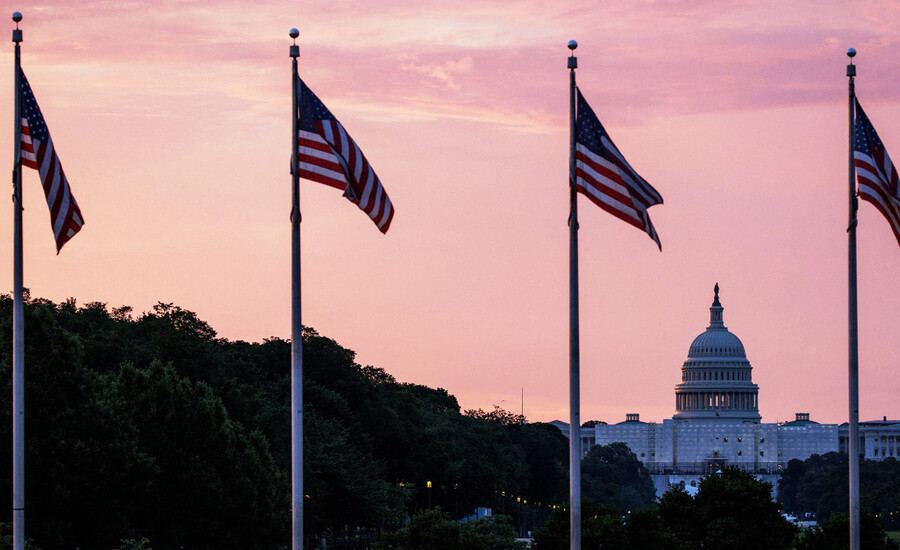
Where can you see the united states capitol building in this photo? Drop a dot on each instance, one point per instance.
(717, 422)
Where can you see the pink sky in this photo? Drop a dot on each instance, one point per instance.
(172, 120)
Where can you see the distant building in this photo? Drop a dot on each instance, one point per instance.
(717, 422)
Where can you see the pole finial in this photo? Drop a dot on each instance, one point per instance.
(573, 61)
(851, 68)
(17, 33)
(295, 49)
(851, 53)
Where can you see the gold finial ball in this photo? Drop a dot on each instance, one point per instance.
(17, 16)
(294, 33)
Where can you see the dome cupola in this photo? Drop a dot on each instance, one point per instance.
(716, 378)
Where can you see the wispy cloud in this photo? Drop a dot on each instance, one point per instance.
(443, 73)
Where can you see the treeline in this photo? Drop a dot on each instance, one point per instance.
(731, 510)
(819, 486)
(149, 425)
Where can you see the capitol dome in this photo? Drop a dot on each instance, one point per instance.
(716, 378)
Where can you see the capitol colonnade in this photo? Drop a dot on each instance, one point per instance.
(712, 401)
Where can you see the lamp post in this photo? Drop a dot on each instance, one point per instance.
(428, 483)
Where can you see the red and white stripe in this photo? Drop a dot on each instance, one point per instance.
(878, 184)
(615, 187)
(65, 216)
(330, 156)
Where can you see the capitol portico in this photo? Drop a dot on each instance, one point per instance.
(717, 421)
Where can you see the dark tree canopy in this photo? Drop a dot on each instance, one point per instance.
(150, 425)
(819, 486)
(732, 510)
(612, 474)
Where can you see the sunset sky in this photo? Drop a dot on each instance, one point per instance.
(172, 119)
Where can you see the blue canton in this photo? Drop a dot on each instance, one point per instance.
(311, 109)
(588, 130)
(30, 110)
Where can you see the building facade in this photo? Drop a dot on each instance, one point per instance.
(717, 421)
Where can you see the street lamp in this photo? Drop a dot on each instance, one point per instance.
(428, 483)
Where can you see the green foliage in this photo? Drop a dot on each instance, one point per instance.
(819, 485)
(6, 538)
(433, 530)
(732, 510)
(832, 534)
(150, 424)
(682, 518)
(498, 415)
(601, 526)
(489, 533)
(738, 512)
(612, 474)
(135, 544)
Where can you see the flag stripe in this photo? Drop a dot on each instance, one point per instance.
(875, 172)
(873, 192)
(37, 152)
(632, 179)
(330, 156)
(604, 176)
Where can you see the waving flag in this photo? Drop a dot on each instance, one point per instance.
(37, 152)
(875, 173)
(329, 155)
(604, 176)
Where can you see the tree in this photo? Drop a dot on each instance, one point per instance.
(545, 451)
(433, 530)
(612, 474)
(150, 425)
(497, 415)
(213, 484)
(489, 533)
(680, 516)
(601, 527)
(832, 534)
(819, 485)
(646, 530)
(737, 512)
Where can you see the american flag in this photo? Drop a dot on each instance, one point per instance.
(329, 155)
(37, 152)
(875, 172)
(604, 176)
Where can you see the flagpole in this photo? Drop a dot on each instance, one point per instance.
(296, 327)
(18, 315)
(574, 354)
(853, 447)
